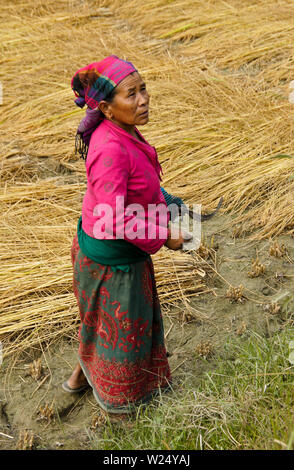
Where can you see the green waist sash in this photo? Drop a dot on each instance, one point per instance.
(117, 253)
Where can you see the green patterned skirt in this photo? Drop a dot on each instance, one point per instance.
(121, 339)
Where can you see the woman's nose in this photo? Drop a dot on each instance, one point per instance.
(143, 99)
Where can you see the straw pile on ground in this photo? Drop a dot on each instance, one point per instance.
(218, 74)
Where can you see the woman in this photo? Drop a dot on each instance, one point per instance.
(121, 342)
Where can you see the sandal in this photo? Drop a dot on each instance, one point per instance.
(68, 389)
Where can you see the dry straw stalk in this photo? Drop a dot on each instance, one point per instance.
(217, 73)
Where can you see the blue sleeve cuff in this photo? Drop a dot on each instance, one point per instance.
(169, 199)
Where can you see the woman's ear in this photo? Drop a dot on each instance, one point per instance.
(104, 107)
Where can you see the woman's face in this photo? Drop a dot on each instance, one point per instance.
(130, 106)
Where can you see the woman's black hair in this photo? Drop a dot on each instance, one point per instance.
(110, 97)
(77, 85)
(80, 146)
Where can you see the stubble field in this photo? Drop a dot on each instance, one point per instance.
(218, 74)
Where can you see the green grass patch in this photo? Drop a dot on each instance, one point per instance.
(246, 402)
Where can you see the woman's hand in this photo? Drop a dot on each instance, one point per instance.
(177, 243)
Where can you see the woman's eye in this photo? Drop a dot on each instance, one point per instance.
(142, 90)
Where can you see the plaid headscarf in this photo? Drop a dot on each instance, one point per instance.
(92, 84)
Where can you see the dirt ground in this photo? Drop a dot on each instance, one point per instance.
(36, 413)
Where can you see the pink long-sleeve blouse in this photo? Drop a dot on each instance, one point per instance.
(121, 171)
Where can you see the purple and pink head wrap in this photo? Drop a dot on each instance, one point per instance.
(92, 84)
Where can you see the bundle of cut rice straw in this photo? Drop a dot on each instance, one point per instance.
(218, 75)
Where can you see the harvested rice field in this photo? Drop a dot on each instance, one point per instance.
(219, 74)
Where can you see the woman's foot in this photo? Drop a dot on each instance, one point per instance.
(77, 378)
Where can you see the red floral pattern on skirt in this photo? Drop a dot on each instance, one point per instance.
(121, 340)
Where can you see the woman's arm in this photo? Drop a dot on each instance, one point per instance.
(108, 171)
